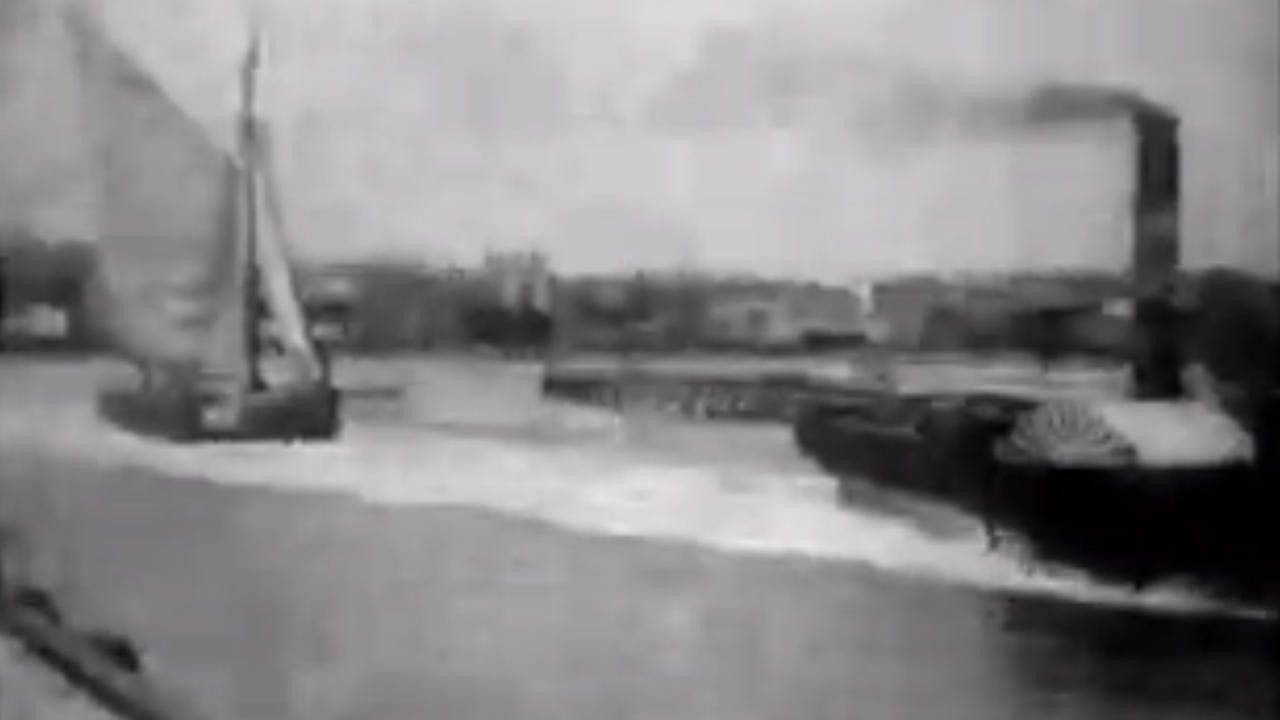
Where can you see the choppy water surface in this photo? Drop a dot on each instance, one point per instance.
(941, 624)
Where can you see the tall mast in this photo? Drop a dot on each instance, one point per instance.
(249, 188)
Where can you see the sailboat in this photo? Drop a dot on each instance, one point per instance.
(194, 284)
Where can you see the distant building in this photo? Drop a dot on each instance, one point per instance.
(520, 280)
(42, 295)
(39, 320)
(330, 296)
(909, 307)
(1121, 308)
(779, 315)
(384, 305)
(903, 306)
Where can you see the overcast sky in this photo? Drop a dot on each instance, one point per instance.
(760, 135)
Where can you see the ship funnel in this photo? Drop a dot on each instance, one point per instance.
(1155, 255)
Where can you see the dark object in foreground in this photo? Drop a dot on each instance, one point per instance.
(105, 667)
(117, 650)
(36, 602)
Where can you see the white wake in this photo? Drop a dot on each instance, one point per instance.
(583, 470)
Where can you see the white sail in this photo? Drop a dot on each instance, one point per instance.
(287, 318)
(171, 271)
(287, 335)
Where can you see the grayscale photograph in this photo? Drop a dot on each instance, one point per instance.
(639, 359)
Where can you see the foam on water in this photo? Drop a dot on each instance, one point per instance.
(581, 476)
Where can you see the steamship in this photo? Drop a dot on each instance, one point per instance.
(1146, 485)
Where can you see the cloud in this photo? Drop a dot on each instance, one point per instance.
(786, 133)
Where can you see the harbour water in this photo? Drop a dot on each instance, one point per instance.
(470, 550)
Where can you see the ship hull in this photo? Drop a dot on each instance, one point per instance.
(933, 445)
(183, 414)
(1129, 523)
(1143, 523)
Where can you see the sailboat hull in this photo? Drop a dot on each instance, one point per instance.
(184, 414)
